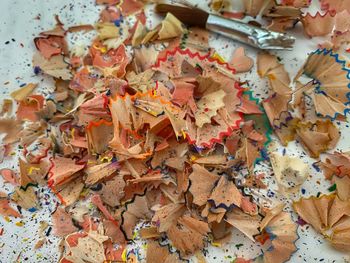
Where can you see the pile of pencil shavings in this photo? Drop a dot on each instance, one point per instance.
(149, 133)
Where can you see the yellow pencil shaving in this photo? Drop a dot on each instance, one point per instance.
(106, 158)
(134, 235)
(72, 133)
(153, 113)
(183, 134)
(218, 57)
(124, 255)
(20, 223)
(215, 244)
(102, 49)
(84, 192)
(119, 5)
(31, 169)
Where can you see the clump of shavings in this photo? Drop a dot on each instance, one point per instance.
(150, 133)
(331, 22)
(306, 112)
(277, 231)
(278, 15)
(329, 215)
(329, 88)
(212, 96)
(335, 167)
